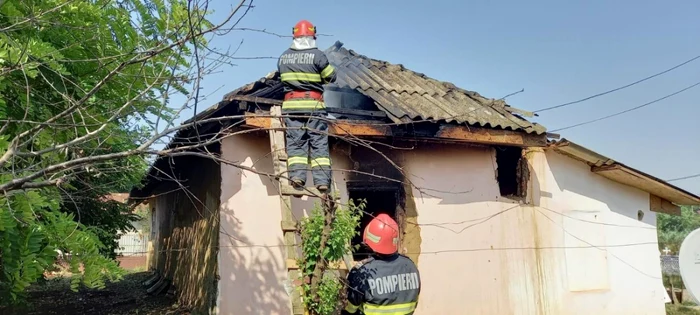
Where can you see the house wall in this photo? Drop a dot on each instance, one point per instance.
(574, 247)
(252, 260)
(186, 225)
(578, 249)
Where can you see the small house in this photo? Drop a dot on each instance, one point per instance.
(500, 216)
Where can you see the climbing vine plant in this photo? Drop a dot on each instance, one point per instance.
(326, 236)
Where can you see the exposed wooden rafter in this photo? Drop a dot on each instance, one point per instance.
(453, 133)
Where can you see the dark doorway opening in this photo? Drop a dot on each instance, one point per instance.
(379, 198)
(512, 173)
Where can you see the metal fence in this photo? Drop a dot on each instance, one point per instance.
(133, 244)
(669, 265)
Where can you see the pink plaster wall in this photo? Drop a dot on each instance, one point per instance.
(480, 253)
(251, 263)
(485, 254)
(251, 257)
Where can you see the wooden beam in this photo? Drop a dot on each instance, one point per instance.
(270, 101)
(343, 128)
(253, 120)
(634, 178)
(491, 136)
(606, 168)
(658, 204)
(254, 99)
(447, 132)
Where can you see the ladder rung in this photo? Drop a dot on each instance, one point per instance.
(282, 156)
(288, 226)
(306, 191)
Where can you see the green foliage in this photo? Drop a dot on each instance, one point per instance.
(673, 229)
(343, 229)
(329, 293)
(79, 79)
(86, 199)
(107, 219)
(144, 216)
(31, 229)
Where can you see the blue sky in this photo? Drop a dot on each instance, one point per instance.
(558, 51)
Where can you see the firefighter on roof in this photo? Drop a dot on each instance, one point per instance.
(387, 282)
(303, 70)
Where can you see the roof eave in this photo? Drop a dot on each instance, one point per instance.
(624, 174)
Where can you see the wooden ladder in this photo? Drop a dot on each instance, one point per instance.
(289, 224)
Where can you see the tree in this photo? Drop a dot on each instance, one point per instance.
(85, 92)
(89, 204)
(673, 229)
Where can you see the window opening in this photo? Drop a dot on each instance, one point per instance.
(379, 198)
(512, 172)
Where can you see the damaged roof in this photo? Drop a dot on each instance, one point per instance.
(404, 95)
(407, 96)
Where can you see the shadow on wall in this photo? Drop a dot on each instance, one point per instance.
(252, 267)
(188, 233)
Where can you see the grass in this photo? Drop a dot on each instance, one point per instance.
(687, 307)
(680, 309)
(675, 279)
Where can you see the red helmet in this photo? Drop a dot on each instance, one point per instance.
(304, 28)
(382, 235)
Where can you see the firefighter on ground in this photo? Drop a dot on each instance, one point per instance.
(387, 282)
(304, 69)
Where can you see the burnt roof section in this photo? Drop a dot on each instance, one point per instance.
(404, 95)
(408, 96)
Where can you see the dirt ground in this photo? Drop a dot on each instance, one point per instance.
(120, 298)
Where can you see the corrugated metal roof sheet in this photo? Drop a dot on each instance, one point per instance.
(406, 95)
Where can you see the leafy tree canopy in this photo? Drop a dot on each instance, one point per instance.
(673, 229)
(83, 85)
